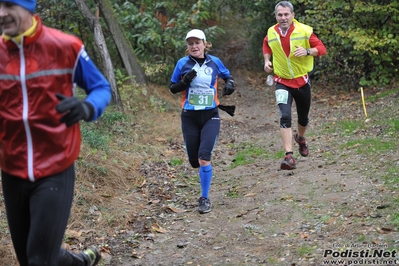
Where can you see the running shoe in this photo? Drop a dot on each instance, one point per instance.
(288, 163)
(92, 256)
(303, 148)
(204, 205)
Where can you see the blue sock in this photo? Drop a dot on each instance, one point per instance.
(205, 173)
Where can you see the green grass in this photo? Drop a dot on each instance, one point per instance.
(382, 94)
(361, 238)
(95, 138)
(233, 192)
(97, 135)
(247, 153)
(391, 178)
(392, 127)
(395, 219)
(346, 127)
(368, 145)
(92, 167)
(176, 162)
(111, 117)
(305, 250)
(325, 219)
(278, 155)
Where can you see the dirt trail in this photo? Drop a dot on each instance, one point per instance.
(262, 215)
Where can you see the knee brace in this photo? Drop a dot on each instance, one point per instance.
(285, 121)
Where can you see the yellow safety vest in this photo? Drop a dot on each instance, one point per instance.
(293, 66)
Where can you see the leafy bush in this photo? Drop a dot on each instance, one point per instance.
(361, 40)
(360, 36)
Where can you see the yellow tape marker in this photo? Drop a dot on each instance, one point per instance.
(364, 104)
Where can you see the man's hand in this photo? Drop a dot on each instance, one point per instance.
(73, 109)
(300, 51)
(189, 76)
(268, 67)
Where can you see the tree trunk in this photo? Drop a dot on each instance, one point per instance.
(122, 44)
(99, 40)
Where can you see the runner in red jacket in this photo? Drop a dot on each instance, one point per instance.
(40, 68)
(291, 46)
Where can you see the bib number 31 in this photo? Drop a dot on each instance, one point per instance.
(201, 97)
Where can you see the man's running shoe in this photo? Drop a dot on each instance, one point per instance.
(288, 163)
(92, 256)
(303, 148)
(204, 205)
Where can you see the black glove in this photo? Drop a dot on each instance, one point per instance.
(189, 76)
(228, 87)
(74, 109)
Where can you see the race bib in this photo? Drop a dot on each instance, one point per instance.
(201, 97)
(281, 96)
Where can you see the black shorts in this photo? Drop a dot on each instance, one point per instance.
(284, 97)
(200, 132)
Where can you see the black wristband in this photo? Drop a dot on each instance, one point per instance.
(177, 87)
